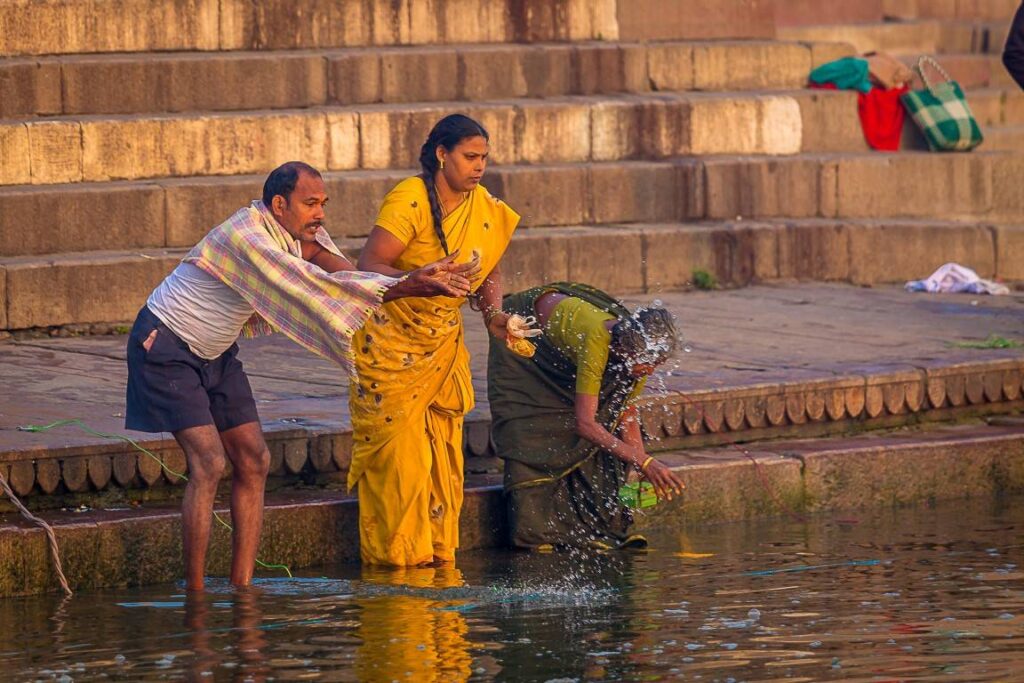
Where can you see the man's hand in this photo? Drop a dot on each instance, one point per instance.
(664, 480)
(440, 278)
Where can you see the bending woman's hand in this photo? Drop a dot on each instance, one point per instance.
(664, 480)
(497, 325)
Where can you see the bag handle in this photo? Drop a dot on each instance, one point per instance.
(924, 61)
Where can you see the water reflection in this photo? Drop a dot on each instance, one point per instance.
(416, 635)
(908, 594)
(204, 657)
(248, 639)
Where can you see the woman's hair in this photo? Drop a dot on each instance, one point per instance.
(647, 336)
(447, 133)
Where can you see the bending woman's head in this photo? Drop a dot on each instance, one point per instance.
(455, 154)
(644, 340)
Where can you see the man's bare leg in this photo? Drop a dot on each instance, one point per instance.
(250, 462)
(206, 461)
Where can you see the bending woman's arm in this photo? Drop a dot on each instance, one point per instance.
(490, 294)
(629, 449)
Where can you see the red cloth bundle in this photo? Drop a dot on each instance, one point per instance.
(881, 115)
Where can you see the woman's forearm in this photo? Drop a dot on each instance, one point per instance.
(380, 252)
(629, 429)
(378, 267)
(596, 434)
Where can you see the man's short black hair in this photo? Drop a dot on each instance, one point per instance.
(282, 180)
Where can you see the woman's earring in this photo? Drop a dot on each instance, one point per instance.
(442, 163)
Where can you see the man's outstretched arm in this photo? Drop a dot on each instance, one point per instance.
(442, 278)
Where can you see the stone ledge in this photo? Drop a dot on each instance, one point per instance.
(864, 399)
(301, 529)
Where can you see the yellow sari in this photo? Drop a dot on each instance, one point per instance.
(413, 386)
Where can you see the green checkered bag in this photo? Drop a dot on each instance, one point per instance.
(940, 110)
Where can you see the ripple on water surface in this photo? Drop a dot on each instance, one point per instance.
(908, 594)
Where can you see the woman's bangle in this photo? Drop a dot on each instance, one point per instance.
(643, 468)
(491, 314)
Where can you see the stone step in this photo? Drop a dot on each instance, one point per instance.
(985, 10)
(1005, 138)
(85, 26)
(176, 213)
(817, 12)
(74, 289)
(971, 71)
(997, 106)
(196, 81)
(105, 548)
(568, 129)
(906, 37)
(836, 12)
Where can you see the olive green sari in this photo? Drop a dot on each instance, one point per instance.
(561, 490)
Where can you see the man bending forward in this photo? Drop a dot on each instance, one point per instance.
(270, 267)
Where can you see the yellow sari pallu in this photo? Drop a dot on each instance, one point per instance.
(413, 386)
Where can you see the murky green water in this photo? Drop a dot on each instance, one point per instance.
(922, 594)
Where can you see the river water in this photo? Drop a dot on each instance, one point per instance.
(930, 593)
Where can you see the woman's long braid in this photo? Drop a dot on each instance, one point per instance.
(435, 208)
(447, 133)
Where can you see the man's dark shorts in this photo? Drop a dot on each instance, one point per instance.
(171, 388)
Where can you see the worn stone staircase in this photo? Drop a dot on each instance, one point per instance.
(129, 128)
(642, 140)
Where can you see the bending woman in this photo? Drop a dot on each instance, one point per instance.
(413, 385)
(564, 422)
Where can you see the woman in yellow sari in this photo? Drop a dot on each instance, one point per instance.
(413, 384)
